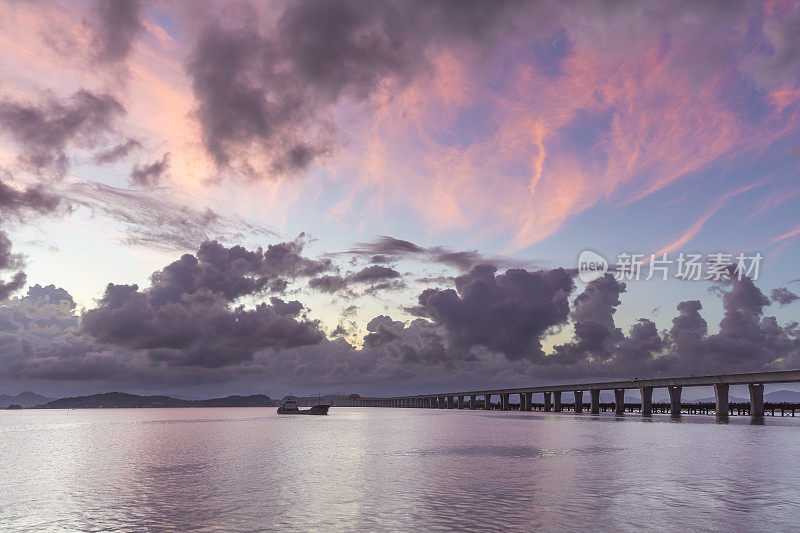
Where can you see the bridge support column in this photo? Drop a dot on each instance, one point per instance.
(756, 400)
(473, 402)
(557, 401)
(674, 401)
(504, 402)
(460, 402)
(646, 393)
(721, 395)
(487, 401)
(442, 402)
(578, 401)
(619, 401)
(527, 401)
(547, 405)
(595, 397)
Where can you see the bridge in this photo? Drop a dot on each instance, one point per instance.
(482, 399)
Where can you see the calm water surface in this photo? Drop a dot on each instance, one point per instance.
(393, 470)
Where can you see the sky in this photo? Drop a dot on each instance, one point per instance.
(392, 197)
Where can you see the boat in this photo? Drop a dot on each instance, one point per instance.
(289, 407)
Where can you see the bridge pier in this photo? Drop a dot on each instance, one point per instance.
(442, 402)
(547, 405)
(674, 401)
(721, 396)
(756, 400)
(460, 402)
(557, 401)
(487, 401)
(619, 401)
(473, 402)
(646, 393)
(450, 402)
(527, 400)
(595, 398)
(504, 402)
(578, 401)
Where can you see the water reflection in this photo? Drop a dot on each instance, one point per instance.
(393, 469)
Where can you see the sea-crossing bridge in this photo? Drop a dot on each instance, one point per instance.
(482, 399)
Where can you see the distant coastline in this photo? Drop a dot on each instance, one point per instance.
(122, 400)
(118, 400)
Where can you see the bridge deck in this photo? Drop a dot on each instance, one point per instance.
(779, 376)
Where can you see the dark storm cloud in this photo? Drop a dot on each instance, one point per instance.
(593, 319)
(185, 318)
(746, 341)
(274, 89)
(508, 313)
(187, 329)
(381, 331)
(390, 247)
(783, 296)
(50, 295)
(115, 25)
(151, 174)
(150, 220)
(43, 132)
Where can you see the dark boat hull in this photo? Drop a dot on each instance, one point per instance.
(315, 410)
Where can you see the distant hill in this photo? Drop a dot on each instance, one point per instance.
(116, 400)
(788, 396)
(731, 399)
(23, 399)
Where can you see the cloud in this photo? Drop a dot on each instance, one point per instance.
(115, 25)
(328, 283)
(189, 328)
(783, 296)
(152, 174)
(16, 203)
(155, 221)
(271, 90)
(187, 318)
(45, 131)
(596, 335)
(9, 261)
(115, 153)
(387, 247)
(377, 275)
(508, 313)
